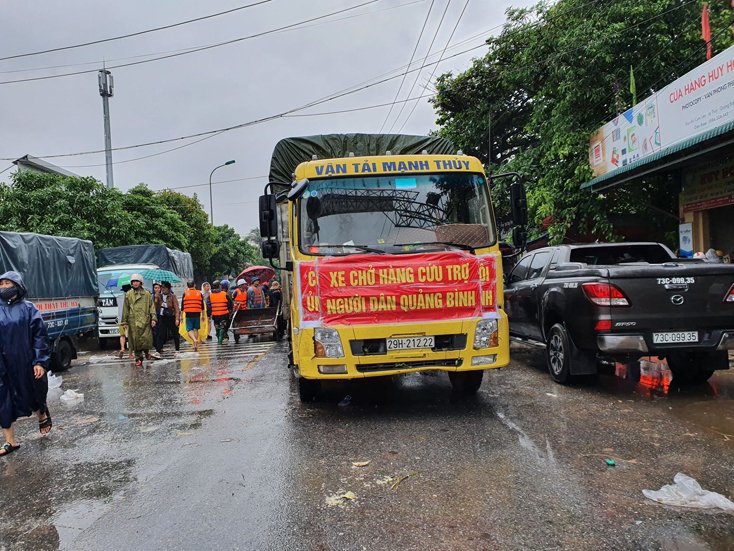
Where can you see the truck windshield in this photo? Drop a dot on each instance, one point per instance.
(395, 214)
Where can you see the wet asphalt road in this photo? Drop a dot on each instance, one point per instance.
(217, 452)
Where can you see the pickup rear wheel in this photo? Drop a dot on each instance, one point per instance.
(61, 359)
(558, 354)
(466, 383)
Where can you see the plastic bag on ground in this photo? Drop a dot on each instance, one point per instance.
(686, 492)
(71, 396)
(54, 381)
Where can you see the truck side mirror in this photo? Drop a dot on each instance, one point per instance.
(519, 237)
(270, 248)
(268, 217)
(519, 203)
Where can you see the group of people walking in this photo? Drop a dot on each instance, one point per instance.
(146, 321)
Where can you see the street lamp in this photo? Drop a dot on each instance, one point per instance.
(211, 201)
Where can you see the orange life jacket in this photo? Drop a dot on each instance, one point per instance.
(257, 297)
(240, 295)
(219, 303)
(192, 301)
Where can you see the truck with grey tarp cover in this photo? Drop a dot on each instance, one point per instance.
(60, 274)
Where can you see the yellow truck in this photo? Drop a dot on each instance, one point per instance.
(390, 258)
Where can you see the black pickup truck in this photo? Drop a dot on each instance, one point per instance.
(623, 301)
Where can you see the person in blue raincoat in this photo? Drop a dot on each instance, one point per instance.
(24, 358)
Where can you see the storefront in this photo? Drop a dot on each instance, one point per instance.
(686, 133)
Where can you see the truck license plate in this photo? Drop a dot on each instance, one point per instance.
(675, 337)
(407, 343)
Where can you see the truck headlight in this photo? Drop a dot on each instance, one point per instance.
(487, 334)
(327, 343)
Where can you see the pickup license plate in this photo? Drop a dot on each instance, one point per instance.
(406, 343)
(675, 337)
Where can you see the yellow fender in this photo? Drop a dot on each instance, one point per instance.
(203, 332)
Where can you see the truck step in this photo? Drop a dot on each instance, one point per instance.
(534, 344)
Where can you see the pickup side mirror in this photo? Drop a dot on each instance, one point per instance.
(519, 203)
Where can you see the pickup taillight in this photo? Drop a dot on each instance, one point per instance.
(605, 294)
(730, 295)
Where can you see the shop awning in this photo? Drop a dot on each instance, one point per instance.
(668, 159)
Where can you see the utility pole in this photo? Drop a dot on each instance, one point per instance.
(107, 90)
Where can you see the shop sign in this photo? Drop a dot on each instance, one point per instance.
(685, 235)
(697, 102)
(368, 289)
(710, 186)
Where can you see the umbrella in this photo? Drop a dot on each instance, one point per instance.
(160, 275)
(263, 272)
(118, 281)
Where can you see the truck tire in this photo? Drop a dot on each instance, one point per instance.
(103, 344)
(466, 383)
(693, 368)
(308, 389)
(61, 359)
(558, 354)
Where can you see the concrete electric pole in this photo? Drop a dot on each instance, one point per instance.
(107, 90)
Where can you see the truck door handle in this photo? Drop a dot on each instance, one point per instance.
(535, 286)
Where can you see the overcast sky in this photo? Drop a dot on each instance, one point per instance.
(219, 87)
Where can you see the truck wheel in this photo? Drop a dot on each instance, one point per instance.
(61, 359)
(103, 344)
(691, 368)
(466, 383)
(558, 354)
(308, 389)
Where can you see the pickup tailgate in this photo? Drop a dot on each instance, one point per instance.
(674, 296)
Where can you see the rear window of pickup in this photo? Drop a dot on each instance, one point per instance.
(620, 254)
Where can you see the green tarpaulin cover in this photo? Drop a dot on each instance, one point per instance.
(290, 152)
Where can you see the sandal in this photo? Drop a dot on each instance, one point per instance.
(138, 363)
(121, 354)
(45, 424)
(8, 448)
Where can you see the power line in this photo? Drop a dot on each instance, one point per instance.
(409, 64)
(249, 123)
(417, 76)
(134, 34)
(201, 49)
(100, 61)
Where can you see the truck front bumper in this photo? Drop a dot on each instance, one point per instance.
(353, 366)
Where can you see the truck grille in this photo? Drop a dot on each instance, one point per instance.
(409, 365)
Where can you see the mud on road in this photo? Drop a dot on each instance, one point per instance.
(216, 452)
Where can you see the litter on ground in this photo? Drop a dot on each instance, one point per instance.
(686, 492)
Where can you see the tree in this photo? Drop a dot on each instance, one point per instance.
(231, 254)
(548, 81)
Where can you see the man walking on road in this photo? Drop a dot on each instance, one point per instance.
(138, 319)
(192, 305)
(168, 317)
(221, 307)
(255, 295)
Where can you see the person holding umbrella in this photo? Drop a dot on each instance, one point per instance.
(138, 319)
(24, 358)
(168, 313)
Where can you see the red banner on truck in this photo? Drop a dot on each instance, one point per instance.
(370, 289)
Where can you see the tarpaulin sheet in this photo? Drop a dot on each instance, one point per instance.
(51, 267)
(290, 152)
(369, 289)
(177, 262)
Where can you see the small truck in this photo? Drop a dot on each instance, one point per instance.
(622, 301)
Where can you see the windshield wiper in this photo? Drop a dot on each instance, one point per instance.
(448, 243)
(364, 248)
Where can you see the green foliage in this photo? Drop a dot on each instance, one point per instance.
(86, 209)
(547, 82)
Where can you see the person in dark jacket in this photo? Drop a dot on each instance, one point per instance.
(24, 358)
(168, 313)
(222, 307)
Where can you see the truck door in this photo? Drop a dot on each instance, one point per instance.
(515, 283)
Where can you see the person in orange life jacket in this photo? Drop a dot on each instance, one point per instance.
(192, 305)
(239, 295)
(221, 308)
(255, 295)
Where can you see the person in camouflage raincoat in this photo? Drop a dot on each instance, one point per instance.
(138, 318)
